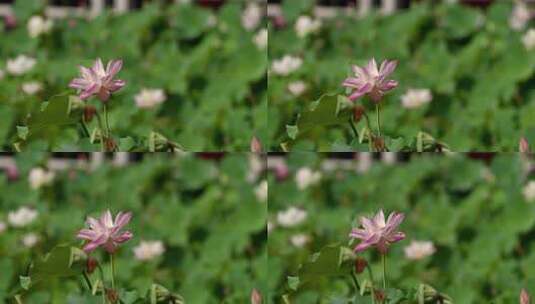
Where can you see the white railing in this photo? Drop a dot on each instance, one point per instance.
(93, 161)
(363, 8)
(95, 8)
(361, 162)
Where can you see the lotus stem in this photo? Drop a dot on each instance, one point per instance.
(107, 120)
(378, 113)
(384, 270)
(102, 148)
(112, 266)
(89, 285)
(355, 281)
(352, 124)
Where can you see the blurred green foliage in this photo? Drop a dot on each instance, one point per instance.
(204, 211)
(207, 63)
(479, 72)
(474, 213)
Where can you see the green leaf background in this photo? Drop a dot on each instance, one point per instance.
(472, 209)
(204, 210)
(214, 76)
(479, 72)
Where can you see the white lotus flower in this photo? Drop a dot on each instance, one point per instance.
(299, 240)
(38, 177)
(261, 39)
(37, 25)
(529, 191)
(487, 175)
(22, 217)
(520, 16)
(529, 39)
(211, 21)
(261, 191)
(365, 162)
(291, 217)
(297, 88)
(3, 227)
(29, 240)
(148, 250)
(149, 98)
(305, 177)
(415, 98)
(270, 226)
(305, 25)
(389, 158)
(32, 88)
(256, 167)
(20, 65)
(419, 249)
(251, 17)
(286, 65)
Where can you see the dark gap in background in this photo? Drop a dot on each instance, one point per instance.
(136, 3)
(70, 3)
(77, 155)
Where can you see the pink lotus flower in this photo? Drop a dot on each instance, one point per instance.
(524, 297)
(99, 81)
(523, 145)
(105, 232)
(377, 232)
(369, 80)
(256, 297)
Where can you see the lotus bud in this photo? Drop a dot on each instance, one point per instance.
(110, 144)
(10, 22)
(358, 111)
(524, 297)
(89, 113)
(360, 265)
(256, 145)
(256, 297)
(91, 265)
(379, 144)
(523, 145)
(112, 295)
(379, 295)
